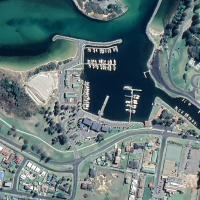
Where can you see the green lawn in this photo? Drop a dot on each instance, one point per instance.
(187, 195)
(179, 61)
(173, 152)
(147, 191)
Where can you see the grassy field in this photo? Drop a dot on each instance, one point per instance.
(179, 61)
(196, 81)
(164, 68)
(31, 141)
(187, 195)
(147, 191)
(29, 126)
(170, 155)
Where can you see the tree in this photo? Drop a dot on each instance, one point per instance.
(184, 77)
(47, 159)
(175, 32)
(34, 194)
(61, 195)
(42, 156)
(85, 196)
(24, 147)
(25, 141)
(62, 139)
(37, 124)
(13, 128)
(14, 134)
(33, 147)
(20, 138)
(100, 137)
(9, 133)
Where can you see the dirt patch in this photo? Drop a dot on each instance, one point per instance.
(191, 181)
(41, 86)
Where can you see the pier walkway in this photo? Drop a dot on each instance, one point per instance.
(86, 42)
(101, 112)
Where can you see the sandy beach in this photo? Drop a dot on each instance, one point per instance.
(55, 54)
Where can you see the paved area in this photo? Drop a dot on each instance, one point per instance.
(192, 166)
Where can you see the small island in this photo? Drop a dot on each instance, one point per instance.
(104, 10)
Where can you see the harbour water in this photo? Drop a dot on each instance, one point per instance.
(28, 26)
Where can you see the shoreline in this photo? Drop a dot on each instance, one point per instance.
(98, 19)
(20, 66)
(150, 37)
(171, 94)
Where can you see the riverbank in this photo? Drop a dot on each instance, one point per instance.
(168, 89)
(148, 33)
(160, 104)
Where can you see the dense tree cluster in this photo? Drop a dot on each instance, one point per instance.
(172, 29)
(192, 36)
(14, 100)
(165, 119)
(95, 7)
(55, 128)
(39, 152)
(48, 67)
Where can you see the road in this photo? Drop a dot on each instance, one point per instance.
(76, 163)
(79, 60)
(161, 156)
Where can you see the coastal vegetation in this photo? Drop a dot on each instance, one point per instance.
(13, 98)
(163, 15)
(178, 48)
(104, 10)
(51, 66)
(162, 115)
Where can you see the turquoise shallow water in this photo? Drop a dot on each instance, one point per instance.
(26, 27)
(24, 22)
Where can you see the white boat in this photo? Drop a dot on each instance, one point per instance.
(134, 106)
(136, 96)
(135, 102)
(133, 111)
(126, 87)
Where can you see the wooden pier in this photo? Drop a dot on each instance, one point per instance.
(101, 112)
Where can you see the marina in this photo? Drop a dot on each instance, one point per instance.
(101, 64)
(132, 102)
(101, 50)
(86, 96)
(186, 115)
